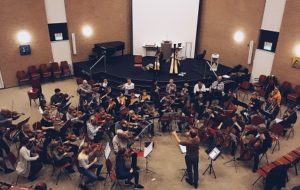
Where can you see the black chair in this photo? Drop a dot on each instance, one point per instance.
(201, 56)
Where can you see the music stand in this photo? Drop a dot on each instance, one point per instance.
(234, 160)
(183, 151)
(147, 150)
(213, 156)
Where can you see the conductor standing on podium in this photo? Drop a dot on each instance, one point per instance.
(192, 156)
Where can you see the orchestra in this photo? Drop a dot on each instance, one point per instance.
(124, 119)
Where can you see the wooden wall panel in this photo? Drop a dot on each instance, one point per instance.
(289, 37)
(220, 20)
(110, 20)
(18, 15)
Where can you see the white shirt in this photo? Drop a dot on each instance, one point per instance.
(197, 89)
(128, 87)
(92, 130)
(119, 143)
(23, 166)
(83, 160)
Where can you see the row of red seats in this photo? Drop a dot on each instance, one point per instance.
(292, 158)
(44, 71)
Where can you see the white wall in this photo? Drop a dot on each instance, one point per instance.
(263, 60)
(55, 11)
(158, 20)
(273, 14)
(262, 63)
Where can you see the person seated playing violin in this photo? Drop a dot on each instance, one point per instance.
(289, 118)
(121, 100)
(85, 165)
(28, 165)
(133, 101)
(57, 98)
(217, 90)
(122, 141)
(123, 172)
(145, 96)
(61, 156)
(94, 130)
(269, 110)
(171, 87)
(111, 106)
(252, 108)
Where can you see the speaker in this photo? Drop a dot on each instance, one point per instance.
(25, 49)
(250, 53)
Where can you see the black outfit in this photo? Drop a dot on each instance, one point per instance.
(291, 119)
(192, 159)
(35, 167)
(124, 173)
(246, 113)
(270, 113)
(266, 144)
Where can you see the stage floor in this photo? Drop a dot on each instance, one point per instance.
(123, 67)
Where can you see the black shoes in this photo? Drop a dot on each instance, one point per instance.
(138, 186)
(189, 181)
(129, 183)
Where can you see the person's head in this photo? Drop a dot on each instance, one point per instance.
(219, 78)
(105, 81)
(85, 149)
(200, 84)
(84, 82)
(40, 186)
(144, 92)
(93, 120)
(120, 133)
(234, 117)
(129, 81)
(171, 81)
(254, 94)
(193, 133)
(24, 141)
(57, 91)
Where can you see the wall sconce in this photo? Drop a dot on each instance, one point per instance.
(238, 36)
(297, 50)
(87, 31)
(24, 38)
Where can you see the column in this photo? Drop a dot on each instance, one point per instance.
(272, 18)
(56, 13)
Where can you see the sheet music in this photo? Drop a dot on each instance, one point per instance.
(148, 149)
(214, 153)
(107, 151)
(182, 149)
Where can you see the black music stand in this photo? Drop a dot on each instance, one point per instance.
(234, 159)
(213, 156)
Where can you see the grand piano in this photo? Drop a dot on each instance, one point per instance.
(109, 48)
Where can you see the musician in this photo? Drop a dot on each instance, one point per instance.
(121, 99)
(266, 143)
(133, 101)
(28, 165)
(84, 90)
(217, 90)
(110, 109)
(57, 98)
(252, 108)
(62, 157)
(94, 131)
(276, 96)
(289, 118)
(6, 154)
(121, 141)
(270, 110)
(234, 129)
(199, 88)
(145, 97)
(85, 165)
(155, 93)
(192, 144)
(123, 172)
(128, 87)
(171, 87)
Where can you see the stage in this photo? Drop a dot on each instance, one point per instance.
(119, 68)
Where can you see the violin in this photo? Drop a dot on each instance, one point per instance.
(10, 114)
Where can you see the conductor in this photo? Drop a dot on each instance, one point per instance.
(192, 156)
